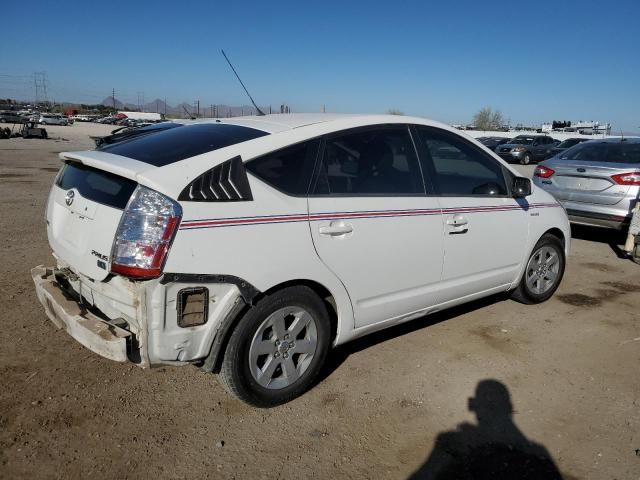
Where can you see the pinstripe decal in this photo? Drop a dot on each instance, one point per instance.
(355, 215)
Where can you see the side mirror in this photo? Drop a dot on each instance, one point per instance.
(521, 187)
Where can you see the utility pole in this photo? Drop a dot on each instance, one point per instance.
(198, 109)
(113, 98)
(165, 106)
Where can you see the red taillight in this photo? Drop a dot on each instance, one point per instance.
(145, 233)
(631, 178)
(543, 172)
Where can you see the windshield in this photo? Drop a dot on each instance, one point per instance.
(608, 152)
(522, 141)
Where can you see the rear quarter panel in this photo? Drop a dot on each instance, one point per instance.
(266, 242)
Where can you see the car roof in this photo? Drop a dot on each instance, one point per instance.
(616, 140)
(275, 123)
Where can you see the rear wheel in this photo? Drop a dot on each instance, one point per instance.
(277, 349)
(543, 272)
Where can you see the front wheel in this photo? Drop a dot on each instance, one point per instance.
(543, 272)
(277, 349)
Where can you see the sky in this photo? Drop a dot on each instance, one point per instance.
(535, 61)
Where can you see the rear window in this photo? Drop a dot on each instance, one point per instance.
(604, 152)
(97, 185)
(173, 145)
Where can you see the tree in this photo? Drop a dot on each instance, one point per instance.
(488, 119)
(394, 111)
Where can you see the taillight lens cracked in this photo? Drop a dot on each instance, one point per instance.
(145, 233)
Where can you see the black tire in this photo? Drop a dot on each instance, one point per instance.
(235, 374)
(523, 293)
(43, 134)
(526, 159)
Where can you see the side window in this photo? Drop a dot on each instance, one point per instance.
(377, 161)
(288, 170)
(458, 168)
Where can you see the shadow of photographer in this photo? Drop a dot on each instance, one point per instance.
(494, 448)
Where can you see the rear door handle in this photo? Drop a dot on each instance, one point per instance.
(336, 229)
(458, 223)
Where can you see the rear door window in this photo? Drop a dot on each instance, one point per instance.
(175, 144)
(289, 169)
(371, 161)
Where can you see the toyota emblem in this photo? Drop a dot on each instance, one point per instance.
(68, 198)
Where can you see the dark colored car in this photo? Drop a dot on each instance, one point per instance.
(493, 142)
(568, 143)
(526, 149)
(127, 133)
(10, 117)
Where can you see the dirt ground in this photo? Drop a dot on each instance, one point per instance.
(382, 407)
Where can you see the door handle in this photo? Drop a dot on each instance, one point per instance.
(336, 229)
(458, 224)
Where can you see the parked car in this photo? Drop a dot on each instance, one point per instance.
(10, 117)
(107, 120)
(526, 149)
(250, 247)
(52, 119)
(562, 146)
(598, 181)
(493, 142)
(126, 133)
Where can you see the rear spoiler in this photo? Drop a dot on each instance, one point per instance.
(116, 164)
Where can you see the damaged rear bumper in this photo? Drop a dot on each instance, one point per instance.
(137, 322)
(98, 335)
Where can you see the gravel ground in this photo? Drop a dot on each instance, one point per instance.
(387, 406)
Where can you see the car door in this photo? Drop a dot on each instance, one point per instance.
(485, 229)
(373, 225)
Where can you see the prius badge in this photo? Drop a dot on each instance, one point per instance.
(68, 198)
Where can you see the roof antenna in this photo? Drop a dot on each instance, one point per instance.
(259, 112)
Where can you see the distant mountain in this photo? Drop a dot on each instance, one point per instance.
(108, 102)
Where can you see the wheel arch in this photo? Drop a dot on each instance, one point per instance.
(556, 232)
(214, 361)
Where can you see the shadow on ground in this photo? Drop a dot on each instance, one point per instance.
(338, 355)
(494, 448)
(613, 238)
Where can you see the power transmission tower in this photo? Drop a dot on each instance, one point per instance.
(40, 82)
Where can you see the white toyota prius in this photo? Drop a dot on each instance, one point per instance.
(251, 246)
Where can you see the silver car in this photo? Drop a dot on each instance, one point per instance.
(53, 119)
(597, 182)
